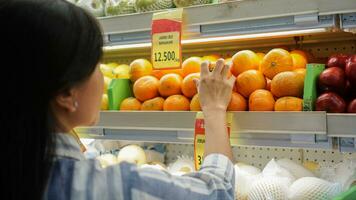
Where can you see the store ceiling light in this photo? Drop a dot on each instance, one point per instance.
(225, 38)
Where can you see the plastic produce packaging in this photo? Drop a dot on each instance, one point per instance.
(311, 188)
(118, 7)
(96, 7)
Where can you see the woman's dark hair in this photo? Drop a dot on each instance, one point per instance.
(47, 47)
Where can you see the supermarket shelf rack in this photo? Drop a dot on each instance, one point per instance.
(283, 129)
(128, 37)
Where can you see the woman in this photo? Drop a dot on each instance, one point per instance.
(52, 49)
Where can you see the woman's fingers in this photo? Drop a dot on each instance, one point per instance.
(218, 68)
(204, 69)
(232, 80)
(224, 71)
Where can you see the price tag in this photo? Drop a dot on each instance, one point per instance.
(166, 39)
(199, 137)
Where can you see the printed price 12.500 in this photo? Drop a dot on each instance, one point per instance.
(165, 56)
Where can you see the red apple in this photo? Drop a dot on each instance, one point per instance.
(337, 60)
(332, 79)
(350, 70)
(331, 103)
(352, 107)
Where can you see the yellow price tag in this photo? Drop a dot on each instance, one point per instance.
(166, 50)
(199, 137)
(166, 39)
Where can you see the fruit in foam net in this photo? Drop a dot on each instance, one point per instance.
(107, 160)
(151, 5)
(182, 165)
(132, 154)
(186, 3)
(96, 7)
(117, 7)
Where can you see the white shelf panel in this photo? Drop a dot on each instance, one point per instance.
(283, 129)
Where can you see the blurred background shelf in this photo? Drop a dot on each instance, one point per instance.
(235, 17)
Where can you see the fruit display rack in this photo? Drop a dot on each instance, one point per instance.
(284, 129)
(318, 25)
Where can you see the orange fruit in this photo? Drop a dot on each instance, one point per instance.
(170, 84)
(300, 52)
(189, 88)
(260, 56)
(289, 104)
(307, 55)
(276, 61)
(195, 103)
(298, 61)
(243, 61)
(211, 58)
(261, 100)
(301, 71)
(237, 102)
(283, 47)
(191, 65)
(287, 84)
(130, 103)
(159, 73)
(268, 84)
(176, 103)
(249, 81)
(146, 88)
(153, 104)
(140, 68)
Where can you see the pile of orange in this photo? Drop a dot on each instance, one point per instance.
(271, 82)
(264, 82)
(169, 90)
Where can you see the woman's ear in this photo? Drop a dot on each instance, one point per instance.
(67, 100)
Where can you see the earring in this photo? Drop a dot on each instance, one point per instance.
(76, 104)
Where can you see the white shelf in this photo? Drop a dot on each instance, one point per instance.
(288, 129)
